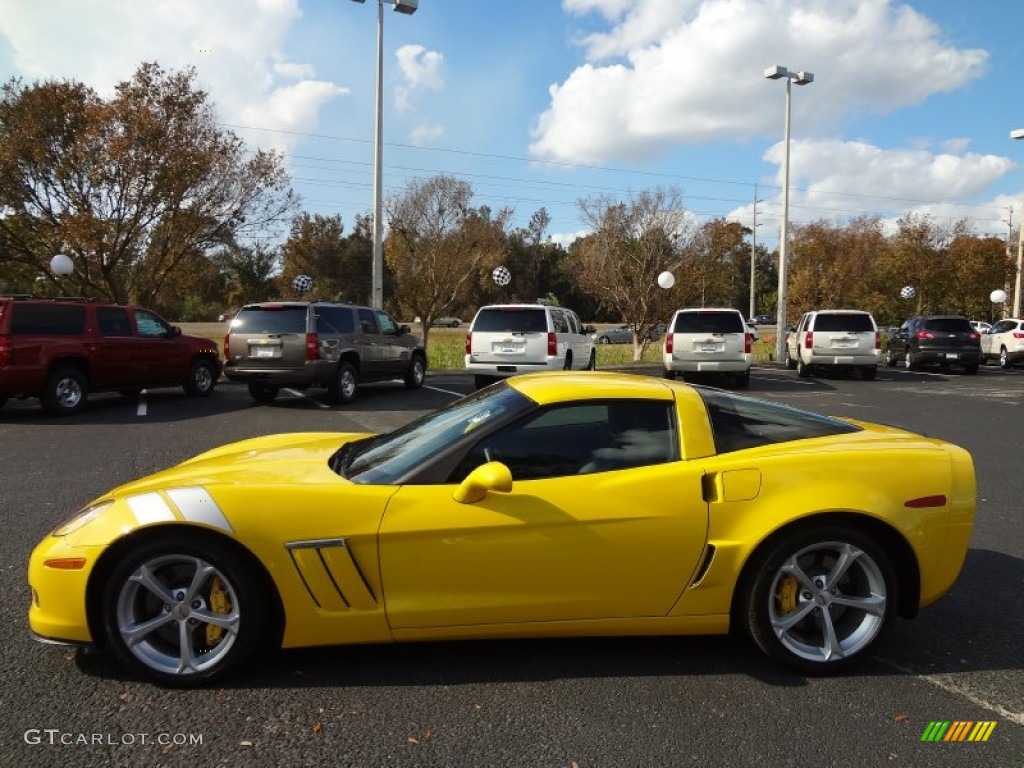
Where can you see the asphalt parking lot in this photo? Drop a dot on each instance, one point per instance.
(585, 703)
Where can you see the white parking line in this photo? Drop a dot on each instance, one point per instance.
(296, 393)
(142, 404)
(445, 391)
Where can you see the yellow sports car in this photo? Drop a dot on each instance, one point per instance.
(551, 504)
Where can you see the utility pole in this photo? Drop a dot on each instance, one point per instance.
(753, 256)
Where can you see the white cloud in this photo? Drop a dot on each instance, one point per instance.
(235, 45)
(565, 239)
(425, 133)
(679, 71)
(419, 69)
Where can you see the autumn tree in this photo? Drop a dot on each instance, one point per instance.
(439, 246)
(130, 187)
(248, 272)
(340, 266)
(630, 244)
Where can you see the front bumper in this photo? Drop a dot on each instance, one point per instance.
(58, 609)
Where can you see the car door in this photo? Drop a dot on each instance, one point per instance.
(395, 354)
(368, 339)
(795, 340)
(994, 338)
(603, 522)
(164, 360)
(114, 359)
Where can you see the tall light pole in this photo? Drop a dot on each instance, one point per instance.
(753, 257)
(407, 7)
(1018, 133)
(800, 78)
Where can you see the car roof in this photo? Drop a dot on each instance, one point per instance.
(568, 386)
(709, 309)
(519, 306)
(840, 312)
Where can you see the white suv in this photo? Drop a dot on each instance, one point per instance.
(1004, 342)
(506, 339)
(708, 341)
(835, 338)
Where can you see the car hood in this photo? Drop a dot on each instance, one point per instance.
(289, 459)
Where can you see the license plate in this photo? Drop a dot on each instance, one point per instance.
(508, 348)
(952, 355)
(264, 351)
(708, 347)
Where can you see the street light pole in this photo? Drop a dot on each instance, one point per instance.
(1018, 133)
(407, 7)
(753, 257)
(801, 78)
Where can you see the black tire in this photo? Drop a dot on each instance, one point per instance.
(868, 372)
(202, 378)
(216, 648)
(743, 380)
(567, 365)
(262, 393)
(67, 391)
(345, 386)
(770, 592)
(417, 372)
(790, 362)
(890, 358)
(1004, 359)
(909, 362)
(603, 340)
(592, 364)
(481, 381)
(803, 370)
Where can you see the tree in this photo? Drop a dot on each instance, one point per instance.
(339, 265)
(631, 243)
(439, 246)
(130, 187)
(248, 273)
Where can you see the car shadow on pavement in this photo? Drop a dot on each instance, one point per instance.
(160, 405)
(972, 629)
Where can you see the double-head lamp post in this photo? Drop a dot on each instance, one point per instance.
(408, 7)
(800, 78)
(1018, 133)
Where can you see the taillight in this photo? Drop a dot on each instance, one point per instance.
(809, 340)
(1018, 335)
(668, 343)
(974, 335)
(469, 343)
(878, 339)
(552, 345)
(227, 346)
(924, 335)
(312, 347)
(5, 350)
(748, 343)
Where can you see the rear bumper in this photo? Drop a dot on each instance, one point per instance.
(513, 367)
(697, 365)
(843, 360)
(947, 356)
(313, 372)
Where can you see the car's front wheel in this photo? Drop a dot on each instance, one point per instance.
(1004, 359)
(66, 391)
(345, 385)
(417, 372)
(819, 598)
(201, 379)
(909, 362)
(183, 610)
(890, 358)
(592, 363)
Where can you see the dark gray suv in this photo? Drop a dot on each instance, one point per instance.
(943, 340)
(316, 344)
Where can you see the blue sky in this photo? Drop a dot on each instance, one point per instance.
(540, 102)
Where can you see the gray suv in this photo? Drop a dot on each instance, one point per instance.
(304, 344)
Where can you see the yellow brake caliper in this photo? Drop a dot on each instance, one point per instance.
(786, 594)
(220, 604)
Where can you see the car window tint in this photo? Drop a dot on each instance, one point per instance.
(56, 319)
(580, 439)
(113, 321)
(512, 320)
(739, 422)
(708, 322)
(387, 325)
(852, 323)
(150, 326)
(335, 320)
(949, 325)
(280, 318)
(574, 322)
(367, 321)
(559, 322)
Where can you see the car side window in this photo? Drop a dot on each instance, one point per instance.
(558, 321)
(580, 439)
(113, 321)
(387, 325)
(574, 322)
(150, 326)
(367, 321)
(334, 320)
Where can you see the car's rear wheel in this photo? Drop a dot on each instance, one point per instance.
(909, 362)
(890, 358)
(66, 391)
(567, 365)
(202, 378)
(743, 380)
(803, 370)
(262, 393)
(592, 363)
(868, 372)
(417, 372)
(819, 598)
(790, 362)
(1004, 359)
(345, 385)
(183, 610)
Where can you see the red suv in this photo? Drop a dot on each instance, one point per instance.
(60, 350)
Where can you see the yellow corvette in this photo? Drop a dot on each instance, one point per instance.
(551, 504)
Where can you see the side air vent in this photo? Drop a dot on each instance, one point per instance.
(705, 565)
(331, 574)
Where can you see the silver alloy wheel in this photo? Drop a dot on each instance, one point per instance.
(1004, 358)
(827, 601)
(68, 392)
(347, 383)
(203, 378)
(167, 616)
(907, 363)
(419, 371)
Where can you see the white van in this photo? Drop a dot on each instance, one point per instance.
(835, 338)
(708, 340)
(506, 339)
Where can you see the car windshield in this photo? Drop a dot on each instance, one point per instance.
(386, 459)
(741, 422)
(512, 320)
(273, 318)
(851, 323)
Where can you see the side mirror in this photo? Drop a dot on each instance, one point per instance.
(175, 331)
(404, 329)
(589, 329)
(492, 476)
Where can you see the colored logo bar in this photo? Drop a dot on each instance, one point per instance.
(958, 730)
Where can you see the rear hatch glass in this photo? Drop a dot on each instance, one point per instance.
(272, 319)
(511, 320)
(841, 322)
(949, 325)
(709, 322)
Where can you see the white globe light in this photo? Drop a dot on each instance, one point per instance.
(302, 284)
(908, 292)
(501, 275)
(62, 265)
(666, 280)
(998, 296)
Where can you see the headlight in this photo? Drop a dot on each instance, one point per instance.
(82, 518)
